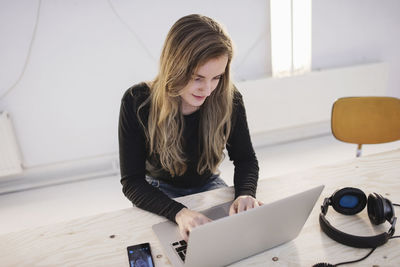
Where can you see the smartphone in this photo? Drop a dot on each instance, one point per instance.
(140, 255)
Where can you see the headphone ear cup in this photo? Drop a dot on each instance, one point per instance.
(380, 209)
(388, 210)
(375, 209)
(348, 200)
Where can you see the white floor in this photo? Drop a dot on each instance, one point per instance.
(68, 201)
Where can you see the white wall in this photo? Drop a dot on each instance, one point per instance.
(300, 106)
(84, 56)
(352, 32)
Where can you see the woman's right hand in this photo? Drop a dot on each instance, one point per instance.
(189, 219)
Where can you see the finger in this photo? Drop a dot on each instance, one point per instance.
(232, 209)
(252, 203)
(205, 219)
(201, 220)
(184, 235)
(187, 232)
(260, 203)
(241, 206)
(190, 226)
(255, 204)
(208, 220)
(249, 204)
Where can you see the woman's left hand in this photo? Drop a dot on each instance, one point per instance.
(243, 203)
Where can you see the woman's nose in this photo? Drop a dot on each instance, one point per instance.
(207, 88)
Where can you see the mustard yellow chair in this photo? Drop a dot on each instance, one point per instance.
(366, 120)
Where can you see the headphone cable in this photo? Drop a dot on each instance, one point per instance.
(354, 261)
(366, 256)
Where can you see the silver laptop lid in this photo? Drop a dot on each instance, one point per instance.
(233, 238)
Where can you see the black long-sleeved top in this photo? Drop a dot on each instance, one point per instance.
(133, 155)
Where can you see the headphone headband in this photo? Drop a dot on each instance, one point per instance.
(352, 240)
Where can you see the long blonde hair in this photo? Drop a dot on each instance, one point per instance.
(190, 43)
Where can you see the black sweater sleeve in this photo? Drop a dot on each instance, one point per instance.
(241, 152)
(132, 155)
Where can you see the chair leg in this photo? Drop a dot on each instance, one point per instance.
(359, 151)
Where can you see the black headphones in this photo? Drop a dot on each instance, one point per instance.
(350, 201)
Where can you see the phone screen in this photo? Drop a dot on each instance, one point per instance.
(140, 255)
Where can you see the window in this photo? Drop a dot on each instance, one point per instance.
(290, 37)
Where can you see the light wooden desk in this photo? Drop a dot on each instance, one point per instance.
(101, 240)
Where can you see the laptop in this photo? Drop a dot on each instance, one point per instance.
(231, 238)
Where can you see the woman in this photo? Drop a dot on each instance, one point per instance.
(172, 131)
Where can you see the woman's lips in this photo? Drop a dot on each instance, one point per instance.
(199, 97)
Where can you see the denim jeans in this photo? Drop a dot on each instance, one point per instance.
(173, 192)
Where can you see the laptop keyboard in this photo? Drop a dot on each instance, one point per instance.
(180, 248)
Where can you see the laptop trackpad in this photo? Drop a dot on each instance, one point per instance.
(218, 211)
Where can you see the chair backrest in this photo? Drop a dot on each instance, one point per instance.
(366, 120)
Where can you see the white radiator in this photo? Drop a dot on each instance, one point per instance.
(10, 156)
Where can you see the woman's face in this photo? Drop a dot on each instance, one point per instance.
(202, 83)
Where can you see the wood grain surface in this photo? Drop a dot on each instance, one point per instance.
(101, 240)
